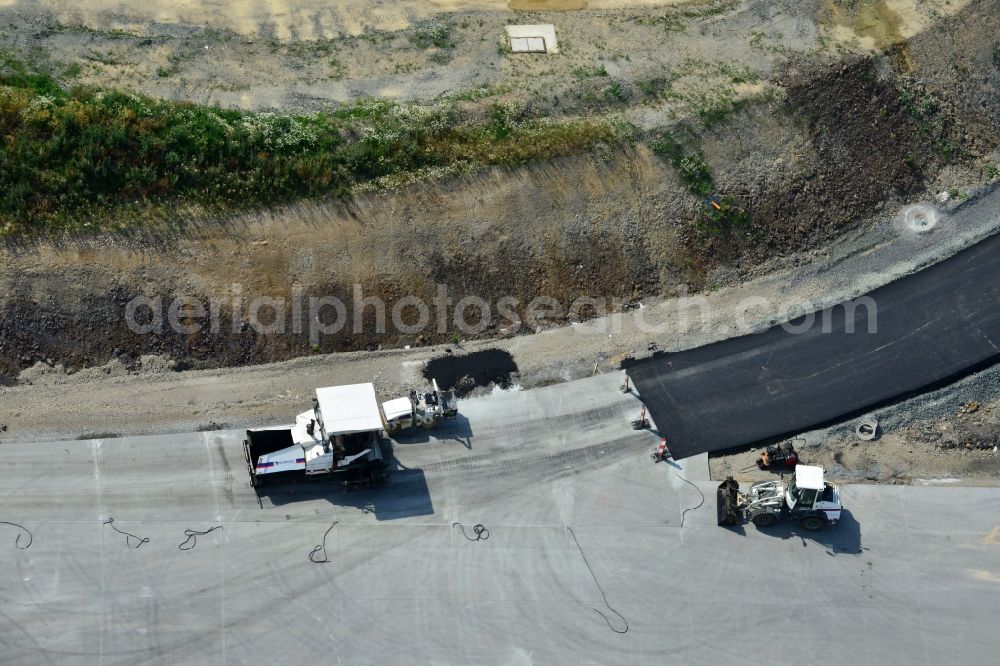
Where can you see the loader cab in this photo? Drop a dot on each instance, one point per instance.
(806, 488)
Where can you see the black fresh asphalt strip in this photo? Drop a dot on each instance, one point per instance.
(928, 328)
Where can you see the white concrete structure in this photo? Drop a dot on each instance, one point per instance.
(533, 38)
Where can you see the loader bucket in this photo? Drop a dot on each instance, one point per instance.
(728, 503)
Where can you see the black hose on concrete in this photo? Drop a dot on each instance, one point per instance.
(603, 596)
(128, 537)
(17, 539)
(692, 508)
(482, 534)
(313, 555)
(192, 537)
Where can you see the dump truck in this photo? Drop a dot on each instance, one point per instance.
(808, 498)
(341, 436)
(425, 410)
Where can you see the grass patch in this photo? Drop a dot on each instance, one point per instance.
(714, 111)
(615, 91)
(739, 74)
(669, 22)
(105, 158)
(107, 58)
(925, 108)
(690, 164)
(433, 34)
(482, 92)
(337, 69)
(14, 72)
(114, 33)
(587, 72)
(72, 70)
(709, 8)
(721, 216)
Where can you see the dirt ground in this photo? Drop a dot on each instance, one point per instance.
(833, 137)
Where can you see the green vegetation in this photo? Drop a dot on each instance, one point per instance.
(720, 214)
(586, 72)
(690, 164)
(15, 73)
(337, 69)
(72, 70)
(114, 33)
(926, 110)
(714, 111)
(738, 74)
(89, 157)
(669, 22)
(658, 88)
(615, 91)
(483, 92)
(708, 8)
(432, 34)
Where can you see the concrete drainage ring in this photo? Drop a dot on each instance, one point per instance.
(867, 429)
(919, 218)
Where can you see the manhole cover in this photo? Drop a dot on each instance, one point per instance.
(919, 218)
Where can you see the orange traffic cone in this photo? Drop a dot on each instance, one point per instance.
(661, 451)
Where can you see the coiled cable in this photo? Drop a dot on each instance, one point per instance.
(192, 537)
(321, 548)
(482, 534)
(128, 536)
(17, 539)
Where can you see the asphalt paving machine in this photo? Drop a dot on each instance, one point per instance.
(808, 498)
(341, 435)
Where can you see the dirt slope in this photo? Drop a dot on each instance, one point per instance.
(795, 120)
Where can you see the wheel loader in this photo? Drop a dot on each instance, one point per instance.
(808, 498)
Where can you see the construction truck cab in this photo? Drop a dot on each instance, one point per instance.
(808, 498)
(425, 410)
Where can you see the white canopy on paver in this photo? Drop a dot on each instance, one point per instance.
(348, 409)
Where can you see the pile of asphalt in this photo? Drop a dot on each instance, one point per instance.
(466, 372)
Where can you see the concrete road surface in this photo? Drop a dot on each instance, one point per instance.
(911, 575)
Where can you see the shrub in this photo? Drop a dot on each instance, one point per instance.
(690, 164)
(104, 156)
(432, 34)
